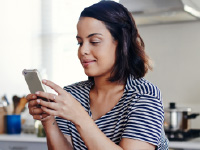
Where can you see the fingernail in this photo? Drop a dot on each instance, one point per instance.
(40, 116)
(38, 101)
(33, 96)
(37, 92)
(45, 81)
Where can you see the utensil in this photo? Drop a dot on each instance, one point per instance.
(21, 105)
(3, 104)
(5, 99)
(16, 101)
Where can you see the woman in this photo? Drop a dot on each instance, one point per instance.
(116, 108)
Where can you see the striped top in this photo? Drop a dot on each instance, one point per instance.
(138, 114)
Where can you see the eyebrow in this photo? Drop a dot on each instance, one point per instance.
(90, 35)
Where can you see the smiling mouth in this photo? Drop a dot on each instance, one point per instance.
(86, 63)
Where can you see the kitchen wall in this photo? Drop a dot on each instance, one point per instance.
(175, 52)
(19, 44)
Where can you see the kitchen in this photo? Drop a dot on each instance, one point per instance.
(173, 48)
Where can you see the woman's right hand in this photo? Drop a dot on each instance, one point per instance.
(34, 108)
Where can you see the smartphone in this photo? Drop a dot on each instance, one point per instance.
(34, 81)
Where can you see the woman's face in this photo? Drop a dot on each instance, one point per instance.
(97, 47)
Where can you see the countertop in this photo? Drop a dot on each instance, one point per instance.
(22, 138)
(191, 144)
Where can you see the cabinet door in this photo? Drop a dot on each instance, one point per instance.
(23, 146)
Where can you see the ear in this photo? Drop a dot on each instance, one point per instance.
(115, 42)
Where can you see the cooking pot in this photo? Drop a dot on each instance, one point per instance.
(178, 119)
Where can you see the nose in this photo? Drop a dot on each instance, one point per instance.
(84, 49)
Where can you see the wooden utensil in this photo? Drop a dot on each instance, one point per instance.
(16, 100)
(21, 105)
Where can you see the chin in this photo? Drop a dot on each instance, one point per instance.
(89, 74)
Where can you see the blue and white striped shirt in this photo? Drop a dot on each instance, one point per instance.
(138, 114)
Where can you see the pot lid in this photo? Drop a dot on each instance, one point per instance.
(172, 107)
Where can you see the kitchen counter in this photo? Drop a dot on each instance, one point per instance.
(31, 141)
(186, 145)
(22, 142)
(22, 137)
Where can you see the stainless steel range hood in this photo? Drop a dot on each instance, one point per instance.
(148, 12)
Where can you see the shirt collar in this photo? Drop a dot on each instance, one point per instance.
(132, 82)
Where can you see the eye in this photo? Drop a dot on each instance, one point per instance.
(95, 42)
(80, 43)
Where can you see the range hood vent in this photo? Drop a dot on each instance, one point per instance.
(148, 12)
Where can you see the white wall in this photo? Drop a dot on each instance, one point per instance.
(175, 51)
(19, 44)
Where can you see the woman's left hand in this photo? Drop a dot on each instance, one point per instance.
(62, 105)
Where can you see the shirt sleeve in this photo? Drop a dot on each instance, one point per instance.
(145, 120)
(63, 125)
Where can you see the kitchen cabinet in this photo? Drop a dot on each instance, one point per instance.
(22, 142)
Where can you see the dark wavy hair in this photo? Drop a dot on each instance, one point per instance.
(130, 54)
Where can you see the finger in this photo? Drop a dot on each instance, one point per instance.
(32, 103)
(53, 98)
(35, 111)
(49, 111)
(46, 96)
(49, 105)
(31, 97)
(54, 86)
(41, 117)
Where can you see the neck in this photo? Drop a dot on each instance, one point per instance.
(102, 85)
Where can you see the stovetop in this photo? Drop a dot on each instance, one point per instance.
(182, 135)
